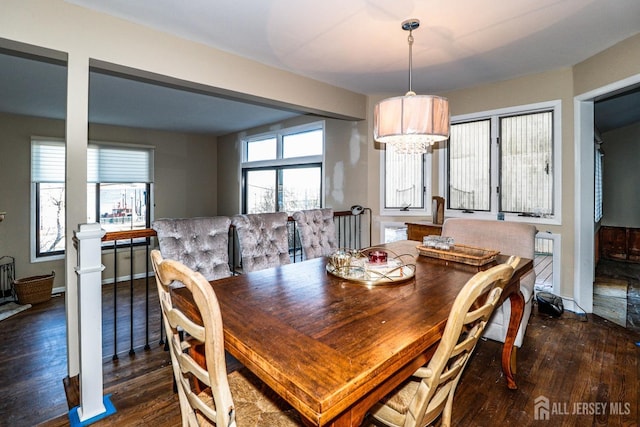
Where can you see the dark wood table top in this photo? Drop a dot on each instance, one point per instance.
(332, 347)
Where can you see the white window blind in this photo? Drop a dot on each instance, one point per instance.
(105, 163)
(598, 185)
(47, 161)
(113, 164)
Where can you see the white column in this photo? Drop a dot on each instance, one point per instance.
(75, 189)
(89, 272)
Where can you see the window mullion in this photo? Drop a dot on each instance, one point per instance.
(496, 166)
(279, 146)
(279, 190)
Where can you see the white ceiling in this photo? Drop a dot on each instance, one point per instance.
(356, 44)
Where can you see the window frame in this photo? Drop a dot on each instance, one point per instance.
(280, 162)
(555, 106)
(427, 162)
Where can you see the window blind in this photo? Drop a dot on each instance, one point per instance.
(598, 212)
(113, 164)
(105, 163)
(47, 161)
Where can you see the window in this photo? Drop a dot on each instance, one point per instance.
(405, 183)
(118, 190)
(282, 171)
(47, 176)
(470, 166)
(504, 161)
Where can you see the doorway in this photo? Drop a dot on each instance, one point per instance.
(592, 110)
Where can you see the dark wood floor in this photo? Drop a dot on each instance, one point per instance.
(574, 362)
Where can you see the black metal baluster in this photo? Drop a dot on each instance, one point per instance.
(115, 301)
(146, 298)
(131, 350)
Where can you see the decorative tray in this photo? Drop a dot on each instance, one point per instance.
(355, 266)
(464, 254)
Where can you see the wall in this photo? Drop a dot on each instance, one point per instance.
(621, 198)
(344, 170)
(186, 181)
(621, 61)
(15, 191)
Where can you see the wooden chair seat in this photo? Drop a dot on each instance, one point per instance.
(256, 404)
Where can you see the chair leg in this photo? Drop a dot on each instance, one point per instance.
(513, 359)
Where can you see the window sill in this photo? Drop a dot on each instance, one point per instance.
(409, 213)
(507, 217)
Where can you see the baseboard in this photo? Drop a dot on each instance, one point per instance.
(62, 289)
(570, 305)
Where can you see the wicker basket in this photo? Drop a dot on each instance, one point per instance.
(34, 289)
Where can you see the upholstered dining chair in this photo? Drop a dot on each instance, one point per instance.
(200, 243)
(263, 240)
(317, 232)
(235, 399)
(510, 238)
(429, 392)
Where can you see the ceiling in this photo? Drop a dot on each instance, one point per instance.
(357, 44)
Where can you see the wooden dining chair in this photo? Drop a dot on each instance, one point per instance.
(208, 395)
(317, 232)
(263, 240)
(429, 392)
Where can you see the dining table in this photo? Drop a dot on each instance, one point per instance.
(333, 347)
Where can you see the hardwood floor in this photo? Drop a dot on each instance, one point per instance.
(575, 362)
(623, 308)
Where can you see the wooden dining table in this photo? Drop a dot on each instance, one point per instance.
(333, 347)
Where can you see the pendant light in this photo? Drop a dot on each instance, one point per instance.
(411, 123)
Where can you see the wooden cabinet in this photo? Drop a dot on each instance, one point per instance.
(620, 243)
(417, 230)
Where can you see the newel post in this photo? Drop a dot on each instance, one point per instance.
(93, 406)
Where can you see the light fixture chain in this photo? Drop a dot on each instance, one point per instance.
(410, 40)
(412, 123)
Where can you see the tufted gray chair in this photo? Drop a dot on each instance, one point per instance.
(263, 240)
(317, 232)
(202, 244)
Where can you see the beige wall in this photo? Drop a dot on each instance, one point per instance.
(183, 171)
(621, 176)
(619, 62)
(15, 191)
(345, 163)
